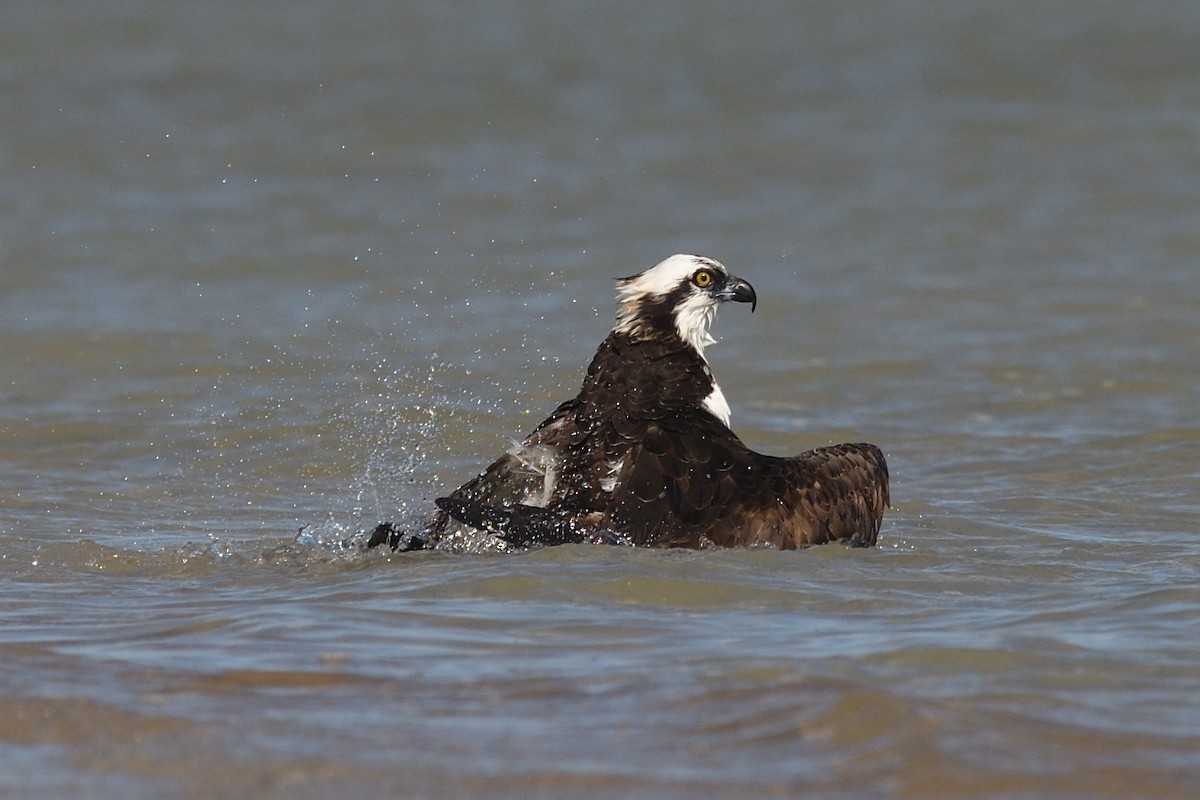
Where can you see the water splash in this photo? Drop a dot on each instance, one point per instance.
(393, 428)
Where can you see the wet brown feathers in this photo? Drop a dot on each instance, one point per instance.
(644, 454)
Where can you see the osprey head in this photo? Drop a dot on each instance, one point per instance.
(678, 296)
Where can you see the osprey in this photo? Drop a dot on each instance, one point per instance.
(644, 454)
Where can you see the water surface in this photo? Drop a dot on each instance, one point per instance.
(269, 274)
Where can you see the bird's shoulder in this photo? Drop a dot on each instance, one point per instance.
(643, 377)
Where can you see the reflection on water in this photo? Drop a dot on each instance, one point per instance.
(270, 274)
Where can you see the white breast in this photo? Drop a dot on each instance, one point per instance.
(716, 404)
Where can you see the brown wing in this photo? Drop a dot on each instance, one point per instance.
(691, 482)
(836, 493)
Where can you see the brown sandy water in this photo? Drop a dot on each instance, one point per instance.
(271, 273)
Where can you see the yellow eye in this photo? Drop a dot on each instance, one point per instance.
(702, 278)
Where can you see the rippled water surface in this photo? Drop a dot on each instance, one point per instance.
(272, 272)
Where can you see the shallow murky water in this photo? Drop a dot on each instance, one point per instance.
(270, 274)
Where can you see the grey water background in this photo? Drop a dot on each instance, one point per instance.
(272, 272)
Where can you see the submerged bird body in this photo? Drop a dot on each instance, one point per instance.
(644, 454)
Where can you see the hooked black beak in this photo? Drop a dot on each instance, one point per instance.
(739, 291)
